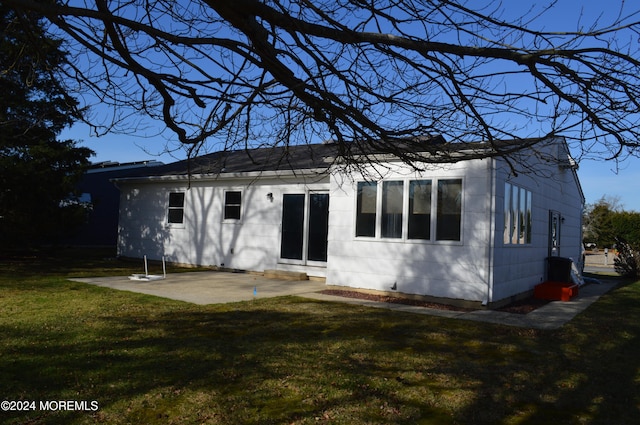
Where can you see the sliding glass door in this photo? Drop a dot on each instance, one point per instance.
(305, 225)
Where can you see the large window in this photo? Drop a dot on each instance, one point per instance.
(175, 213)
(433, 210)
(232, 205)
(366, 209)
(517, 215)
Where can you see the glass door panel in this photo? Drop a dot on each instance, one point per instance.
(318, 226)
(292, 242)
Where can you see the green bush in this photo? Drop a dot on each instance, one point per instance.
(628, 259)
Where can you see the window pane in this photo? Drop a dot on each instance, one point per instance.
(318, 226)
(367, 194)
(176, 200)
(528, 238)
(292, 226)
(449, 210)
(522, 218)
(366, 209)
(392, 209)
(507, 214)
(176, 215)
(514, 215)
(232, 204)
(233, 197)
(232, 212)
(420, 209)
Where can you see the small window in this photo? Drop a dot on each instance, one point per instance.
(366, 209)
(176, 208)
(232, 205)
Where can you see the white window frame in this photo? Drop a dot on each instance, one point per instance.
(173, 208)
(307, 192)
(224, 205)
(402, 210)
(435, 192)
(409, 212)
(368, 207)
(406, 182)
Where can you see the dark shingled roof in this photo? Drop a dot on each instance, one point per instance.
(322, 156)
(279, 158)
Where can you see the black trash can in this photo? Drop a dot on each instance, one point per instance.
(559, 269)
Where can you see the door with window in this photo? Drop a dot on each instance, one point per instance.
(305, 225)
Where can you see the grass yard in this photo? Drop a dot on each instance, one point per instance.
(147, 360)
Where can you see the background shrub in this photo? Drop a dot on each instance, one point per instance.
(628, 259)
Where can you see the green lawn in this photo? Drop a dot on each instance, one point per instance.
(147, 360)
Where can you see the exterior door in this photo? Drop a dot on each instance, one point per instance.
(555, 224)
(305, 225)
(292, 240)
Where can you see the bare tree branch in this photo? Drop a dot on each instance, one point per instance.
(252, 73)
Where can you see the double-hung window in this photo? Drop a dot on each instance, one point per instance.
(232, 205)
(175, 213)
(432, 211)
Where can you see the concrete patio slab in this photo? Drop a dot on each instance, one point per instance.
(223, 287)
(209, 287)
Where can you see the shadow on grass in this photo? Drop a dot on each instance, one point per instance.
(586, 372)
(314, 362)
(251, 366)
(78, 262)
(291, 360)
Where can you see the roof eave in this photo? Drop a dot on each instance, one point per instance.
(310, 172)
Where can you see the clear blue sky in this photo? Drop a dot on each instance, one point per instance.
(598, 178)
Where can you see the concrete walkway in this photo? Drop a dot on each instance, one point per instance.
(551, 316)
(221, 287)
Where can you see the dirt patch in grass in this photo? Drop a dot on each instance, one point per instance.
(524, 306)
(520, 307)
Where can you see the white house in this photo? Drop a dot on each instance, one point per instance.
(475, 231)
